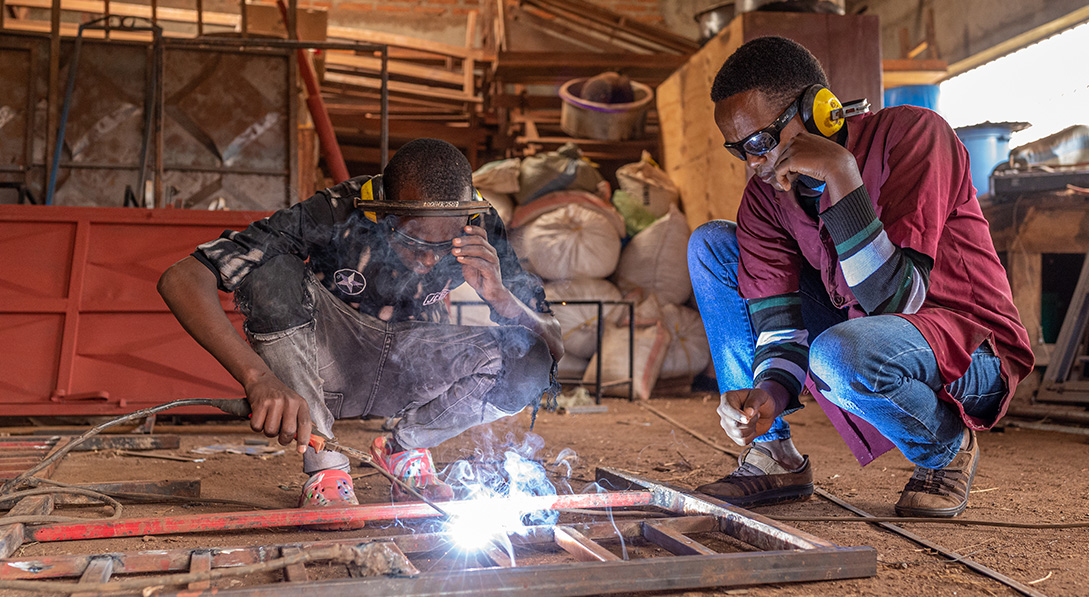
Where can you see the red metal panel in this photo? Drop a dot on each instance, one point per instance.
(82, 328)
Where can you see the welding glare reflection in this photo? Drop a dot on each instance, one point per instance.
(499, 495)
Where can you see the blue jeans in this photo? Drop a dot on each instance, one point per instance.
(879, 368)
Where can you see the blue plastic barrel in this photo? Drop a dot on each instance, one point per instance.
(988, 145)
(924, 96)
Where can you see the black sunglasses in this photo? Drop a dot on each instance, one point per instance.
(764, 140)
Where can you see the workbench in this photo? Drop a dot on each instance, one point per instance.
(1027, 227)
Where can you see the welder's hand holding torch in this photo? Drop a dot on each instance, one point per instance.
(273, 409)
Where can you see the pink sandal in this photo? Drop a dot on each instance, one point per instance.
(330, 488)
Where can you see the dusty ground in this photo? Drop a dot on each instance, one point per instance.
(1024, 476)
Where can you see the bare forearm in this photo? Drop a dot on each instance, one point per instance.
(189, 289)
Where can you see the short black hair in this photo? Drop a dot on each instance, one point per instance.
(776, 66)
(438, 170)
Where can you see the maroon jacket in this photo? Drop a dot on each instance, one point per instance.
(917, 174)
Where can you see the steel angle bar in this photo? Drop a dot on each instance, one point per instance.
(756, 530)
(596, 578)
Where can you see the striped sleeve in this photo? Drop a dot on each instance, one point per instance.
(782, 344)
(884, 278)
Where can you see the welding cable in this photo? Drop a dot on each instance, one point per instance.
(21, 478)
(150, 497)
(44, 519)
(964, 522)
(345, 554)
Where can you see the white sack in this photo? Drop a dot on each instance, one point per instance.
(498, 177)
(651, 344)
(579, 322)
(649, 185)
(502, 203)
(689, 352)
(571, 242)
(656, 260)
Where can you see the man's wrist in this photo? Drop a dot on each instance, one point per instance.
(779, 394)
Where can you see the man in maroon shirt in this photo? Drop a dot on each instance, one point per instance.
(860, 266)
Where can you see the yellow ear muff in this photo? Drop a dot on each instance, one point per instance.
(824, 104)
(366, 193)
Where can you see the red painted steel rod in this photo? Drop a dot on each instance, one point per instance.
(232, 521)
(327, 138)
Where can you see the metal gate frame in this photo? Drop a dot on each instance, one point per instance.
(783, 554)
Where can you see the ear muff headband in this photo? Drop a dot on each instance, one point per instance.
(371, 195)
(818, 105)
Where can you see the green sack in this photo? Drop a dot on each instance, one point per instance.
(636, 216)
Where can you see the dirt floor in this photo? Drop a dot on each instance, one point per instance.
(1024, 476)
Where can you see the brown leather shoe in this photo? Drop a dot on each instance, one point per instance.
(941, 493)
(776, 486)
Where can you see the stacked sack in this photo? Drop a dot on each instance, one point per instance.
(670, 341)
(564, 228)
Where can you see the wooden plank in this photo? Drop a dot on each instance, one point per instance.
(200, 561)
(586, 10)
(556, 28)
(405, 41)
(512, 65)
(1025, 279)
(399, 88)
(913, 72)
(618, 34)
(374, 65)
(582, 547)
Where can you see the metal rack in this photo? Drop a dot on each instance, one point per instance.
(599, 385)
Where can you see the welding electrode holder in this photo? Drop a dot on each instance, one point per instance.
(241, 408)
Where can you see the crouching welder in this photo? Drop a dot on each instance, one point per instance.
(343, 297)
(860, 264)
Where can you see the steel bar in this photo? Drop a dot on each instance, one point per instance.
(756, 530)
(582, 547)
(598, 578)
(674, 542)
(384, 142)
(200, 561)
(129, 442)
(255, 42)
(13, 535)
(145, 489)
(99, 529)
(178, 560)
(294, 572)
(952, 555)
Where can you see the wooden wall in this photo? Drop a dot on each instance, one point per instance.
(710, 179)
